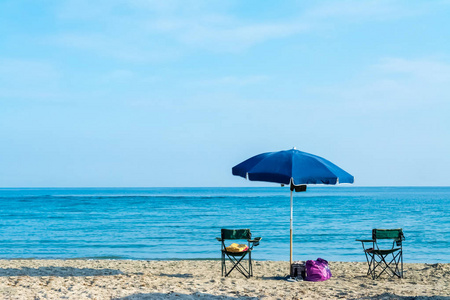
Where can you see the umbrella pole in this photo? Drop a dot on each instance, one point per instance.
(292, 214)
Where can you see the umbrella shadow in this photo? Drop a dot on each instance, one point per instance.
(394, 296)
(172, 295)
(57, 271)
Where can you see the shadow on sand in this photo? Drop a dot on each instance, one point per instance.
(155, 296)
(282, 278)
(386, 296)
(177, 275)
(58, 271)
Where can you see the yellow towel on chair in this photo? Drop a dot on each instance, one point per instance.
(237, 248)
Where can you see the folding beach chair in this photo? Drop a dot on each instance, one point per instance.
(236, 253)
(389, 261)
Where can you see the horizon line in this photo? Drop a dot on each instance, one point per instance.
(185, 187)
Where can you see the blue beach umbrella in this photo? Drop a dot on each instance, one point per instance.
(292, 167)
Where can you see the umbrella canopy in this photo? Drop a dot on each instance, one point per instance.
(292, 167)
(295, 165)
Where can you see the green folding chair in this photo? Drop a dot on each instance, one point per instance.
(237, 258)
(385, 261)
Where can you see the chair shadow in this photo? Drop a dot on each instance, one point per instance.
(398, 297)
(177, 275)
(282, 278)
(57, 271)
(151, 296)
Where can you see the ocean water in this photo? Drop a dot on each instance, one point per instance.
(182, 223)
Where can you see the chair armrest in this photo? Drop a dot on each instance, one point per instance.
(256, 239)
(366, 241)
(219, 239)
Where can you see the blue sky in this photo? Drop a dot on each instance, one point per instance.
(175, 93)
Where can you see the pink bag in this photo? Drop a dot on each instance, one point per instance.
(317, 270)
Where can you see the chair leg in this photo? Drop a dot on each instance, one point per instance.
(379, 264)
(374, 265)
(401, 256)
(369, 263)
(237, 265)
(250, 267)
(224, 266)
(397, 263)
(385, 266)
(396, 260)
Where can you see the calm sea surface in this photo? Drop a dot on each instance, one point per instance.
(182, 223)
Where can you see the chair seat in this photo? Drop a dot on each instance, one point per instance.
(381, 251)
(236, 253)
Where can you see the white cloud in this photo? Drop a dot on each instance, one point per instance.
(158, 37)
(29, 70)
(234, 81)
(423, 69)
(394, 84)
(128, 48)
(156, 30)
(221, 32)
(28, 79)
(354, 10)
(130, 78)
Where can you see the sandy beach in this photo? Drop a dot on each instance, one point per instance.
(126, 279)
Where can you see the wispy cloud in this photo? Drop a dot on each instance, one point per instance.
(128, 48)
(394, 84)
(227, 34)
(366, 11)
(128, 77)
(159, 34)
(28, 79)
(233, 81)
(427, 70)
(151, 30)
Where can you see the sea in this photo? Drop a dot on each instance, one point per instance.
(183, 223)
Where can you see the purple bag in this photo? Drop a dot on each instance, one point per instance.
(317, 270)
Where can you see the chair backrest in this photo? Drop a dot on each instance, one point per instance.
(393, 234)
(236, 234)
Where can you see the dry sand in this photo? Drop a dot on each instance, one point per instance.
(123, 279)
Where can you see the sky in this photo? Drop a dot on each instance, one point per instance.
(170, 93)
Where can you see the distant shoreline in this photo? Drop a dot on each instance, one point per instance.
(273, 185)
(171, 259)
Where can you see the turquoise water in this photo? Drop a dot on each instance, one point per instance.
(182, 223)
